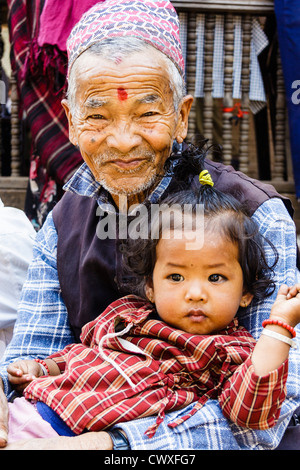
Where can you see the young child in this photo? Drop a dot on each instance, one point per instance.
(179, 340)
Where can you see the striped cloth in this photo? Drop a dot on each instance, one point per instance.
(42, 328)
(42, 86)
(132, 365)
(259, 42)
(41, 78)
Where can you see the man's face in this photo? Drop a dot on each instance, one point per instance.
(124, 121)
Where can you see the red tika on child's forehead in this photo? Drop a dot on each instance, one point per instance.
(122, 94)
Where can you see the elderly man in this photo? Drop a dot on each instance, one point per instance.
(126, 107)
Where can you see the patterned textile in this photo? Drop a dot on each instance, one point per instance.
(259, 42)
(132, 365)
(43, 320)
(156, 22)
(41, 78)
(57, 20)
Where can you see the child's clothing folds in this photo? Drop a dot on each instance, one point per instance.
(131, 365)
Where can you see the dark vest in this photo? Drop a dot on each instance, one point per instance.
(87, 266)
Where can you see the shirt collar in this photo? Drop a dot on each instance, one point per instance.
(84, 184)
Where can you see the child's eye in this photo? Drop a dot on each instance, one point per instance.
(215, 278)
(176, 277)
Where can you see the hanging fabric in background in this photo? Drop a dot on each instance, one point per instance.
(259, 42)
(200, 31)
(218, 58)
(237, 58)
(38, 32)
(183, 25)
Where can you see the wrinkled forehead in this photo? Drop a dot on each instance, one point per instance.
(121, 71)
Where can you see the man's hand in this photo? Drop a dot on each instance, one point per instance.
(3, 417)
(88, 441)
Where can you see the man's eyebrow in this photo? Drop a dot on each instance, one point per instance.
(149, 99)
(94, 103)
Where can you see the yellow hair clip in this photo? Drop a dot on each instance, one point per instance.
(205, 178)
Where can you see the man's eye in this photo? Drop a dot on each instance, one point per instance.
(96, 116)
(176, 277)
(149, 113)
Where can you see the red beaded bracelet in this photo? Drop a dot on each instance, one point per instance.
(280, 323)
(44, 366)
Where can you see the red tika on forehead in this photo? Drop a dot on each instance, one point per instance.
(122, 94)
(154, 21)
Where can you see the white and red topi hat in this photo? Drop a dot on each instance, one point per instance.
(154, 21)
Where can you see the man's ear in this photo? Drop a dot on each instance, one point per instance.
(72, 134)
(184, 111)
(246, 299)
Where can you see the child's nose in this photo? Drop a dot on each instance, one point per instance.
(196, 292)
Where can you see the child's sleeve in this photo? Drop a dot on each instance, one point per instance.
(60, 357)
(254, 401)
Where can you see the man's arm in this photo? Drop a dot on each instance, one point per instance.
(42, 324)
(42, 329)
(208, 428)
(88, 441)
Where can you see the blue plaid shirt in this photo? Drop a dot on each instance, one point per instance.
(42, 328)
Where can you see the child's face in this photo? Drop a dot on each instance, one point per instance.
(200, 290)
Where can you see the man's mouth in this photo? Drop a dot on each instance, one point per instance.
(129, 164)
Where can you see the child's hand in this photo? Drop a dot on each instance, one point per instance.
(22, 372)
(287, 305)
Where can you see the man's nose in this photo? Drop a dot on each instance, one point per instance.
(123, 137)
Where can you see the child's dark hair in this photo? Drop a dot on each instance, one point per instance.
(223, 214)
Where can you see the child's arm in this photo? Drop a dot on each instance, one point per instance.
(269, 353)
(20, 373)
(254, 394)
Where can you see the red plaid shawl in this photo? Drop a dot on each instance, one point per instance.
(41, 76)
(169, 370)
